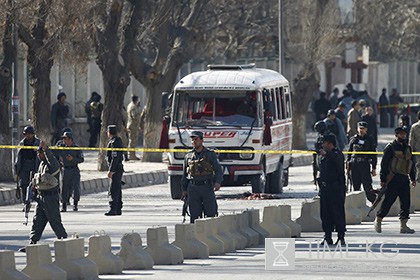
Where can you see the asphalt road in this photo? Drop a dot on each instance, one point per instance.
(389, 255)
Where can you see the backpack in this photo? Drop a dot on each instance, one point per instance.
(45, 181)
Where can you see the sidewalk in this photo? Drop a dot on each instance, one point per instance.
(136, 174)
(139, 173)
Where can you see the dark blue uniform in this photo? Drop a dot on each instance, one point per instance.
(201, 171)
(115, 159)
(27, 162)
(360, 163)
(332, 193)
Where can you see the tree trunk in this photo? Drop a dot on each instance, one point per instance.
(9, 55)
(305, 84)
(152, 123)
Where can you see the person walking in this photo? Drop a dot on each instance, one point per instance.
(59, 115)
(358, 165)
(71, 173)
(26, 161)
(332, 190)
(115, 172)
(202, 177)
(133, 125)
(397, 170)
(47, 197)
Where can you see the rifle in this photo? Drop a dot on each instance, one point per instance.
(381, 193)
(28, 199)
(18, 194)
(185, 208)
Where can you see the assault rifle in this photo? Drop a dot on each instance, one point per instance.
(185, 209)
(28, 200)
(381, 193)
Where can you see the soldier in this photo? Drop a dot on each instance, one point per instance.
(115, 172)
(397, 170)
(26, 160)
(358, 165)
(201, 178)
(332, 190)
(133, 125)
(321, 128)
(59, 114)
(48, 197)
(71, 173)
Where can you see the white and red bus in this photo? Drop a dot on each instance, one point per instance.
(239, 108)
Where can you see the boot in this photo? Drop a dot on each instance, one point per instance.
(378, 224)
(404, 228)
(341, 239)
(327, 239)
(63, 207)
(75, 208)
(23, 249)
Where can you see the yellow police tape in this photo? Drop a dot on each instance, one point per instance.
(157, 150)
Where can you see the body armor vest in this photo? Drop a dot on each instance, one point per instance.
(401, 162)
(199, 167)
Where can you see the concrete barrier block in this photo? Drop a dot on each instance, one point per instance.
(39, 265)
(223, 234)
(286, 217)
(159, 248)
(8, 269)
(241, 240)
(251, 235)
(70, 257)
(310, 219)
(353, 214)
(361, 204)
(254, 223)
(205, 234)
(133, 254)
(272, 223)
(100, 253)
(186, 239)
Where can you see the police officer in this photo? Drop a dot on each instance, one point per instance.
(397, 169)
(48, 201)
(115, 172)
(332, 190)
(202, 176)
(71, 173)
(321, 128)
(26, 160)
(358, 165)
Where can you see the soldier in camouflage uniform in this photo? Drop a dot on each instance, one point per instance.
(202, 176)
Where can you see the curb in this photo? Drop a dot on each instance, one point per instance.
(7, 197)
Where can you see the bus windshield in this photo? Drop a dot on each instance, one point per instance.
(217, 109)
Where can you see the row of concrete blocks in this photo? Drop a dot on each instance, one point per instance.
(8, 196)
(211, 236)
(356, 210)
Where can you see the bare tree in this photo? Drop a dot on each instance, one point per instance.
(6, 76)
(312, 36)
(389, 27)
(49, 29)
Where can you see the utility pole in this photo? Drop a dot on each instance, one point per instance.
(281, 36)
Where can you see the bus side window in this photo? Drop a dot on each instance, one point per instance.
(288, 106)
(279, 104)
(275, 106)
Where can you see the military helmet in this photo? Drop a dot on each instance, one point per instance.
(320, 127)
(28, 129)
